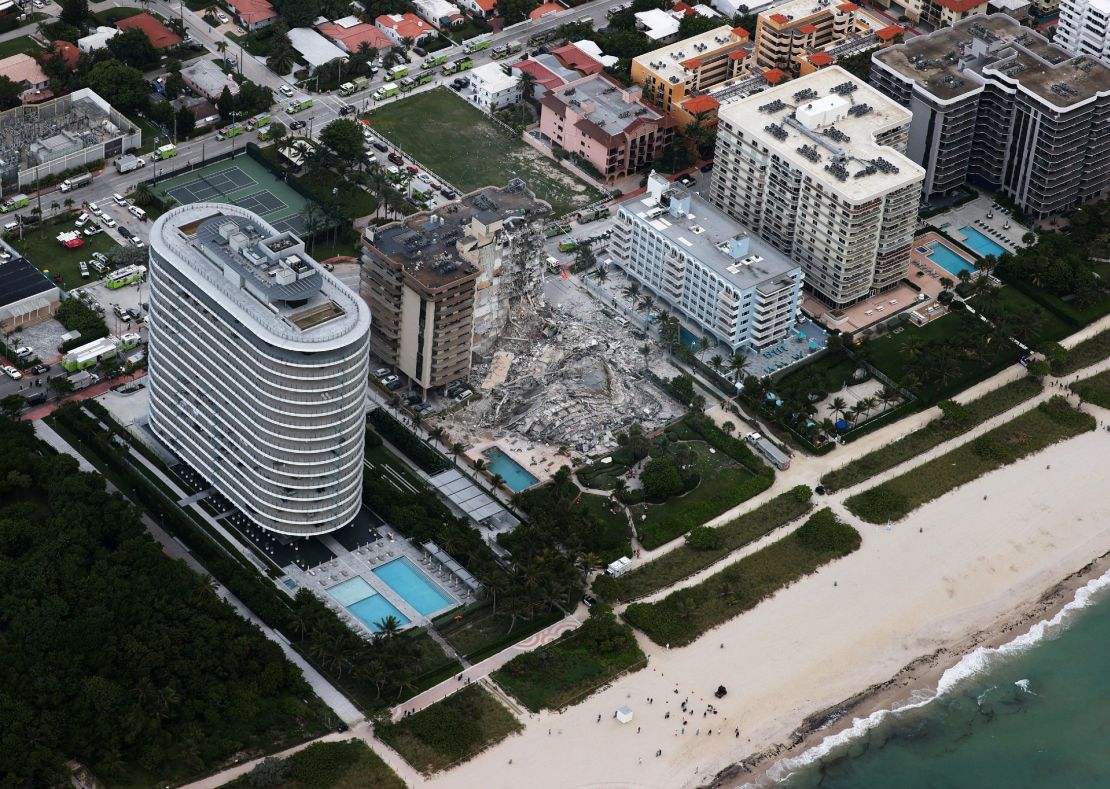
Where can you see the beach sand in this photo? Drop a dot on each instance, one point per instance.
(962, 571)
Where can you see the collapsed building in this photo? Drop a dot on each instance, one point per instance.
(446, 284)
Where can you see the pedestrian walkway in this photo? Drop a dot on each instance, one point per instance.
(480, 671)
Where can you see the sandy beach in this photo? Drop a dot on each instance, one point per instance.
(968, 569)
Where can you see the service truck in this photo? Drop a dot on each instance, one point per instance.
(354, 86)
(476, 45)
(505, 50)
(407, 84)
(89, 354)
(129, 162)
(82, 380)
(259, 121)
(298, 105)
(231, 130)
(465, 64)
(124, 276)
(164, 152)
(386, 90)
(398, 71)
(76, 181)
(14, 203)
(433, 61)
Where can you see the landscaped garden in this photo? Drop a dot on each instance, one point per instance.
(487, 628)
(451, 731)
(684, 615)
(955, 420)
(566, 671)
(706, 546)
(1095, 389)
(460, 144)
(323, 765)
(1086, 353)
(1047, 424)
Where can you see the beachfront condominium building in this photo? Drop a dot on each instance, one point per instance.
(446, 283)
(1084, 27)
(723, 280)
(815, 166)
(258, 367)
(679, 73)
(606, 124)
(996, 104)
(787, 33)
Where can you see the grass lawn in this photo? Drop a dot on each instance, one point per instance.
(684, 561)
(723, 484)
(683, 616)
(380, 456)
(151, 134)
(109, 16)
(483, 632)
(1095, 389)
(1031, 432)
(40, 246)
(569, 669)
(936, 432)
(452, 731)
(329, 765)
(1084, 354)
(612, 541)
(460, 144)
(18, 46)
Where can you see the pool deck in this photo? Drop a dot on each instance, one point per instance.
(539, 460)
(361, 562)
(985, 216)
(866, 313)
(925, 273)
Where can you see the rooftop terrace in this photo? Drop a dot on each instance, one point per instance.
(667, 62)
(951, 62)
(428, 244)
(609, 106)
(263, 276)
(825, 124)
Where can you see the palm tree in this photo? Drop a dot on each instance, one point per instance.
(736, 365)
(646, 304)
(601, 273)
(497, 481)
(838, 405)
(281, 59)
(964, 276)
(716, 363)
(480, 464)
(704, 344)
(631, 291)
(457, 449)
(868, 405)
(54, 206)
(729, 428)
(888, 395)
(913, 347)
(68, 203)
(221, 46)
(436, 433)
(388, 627)
(527, 86)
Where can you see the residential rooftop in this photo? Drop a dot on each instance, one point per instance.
(261, 275)
(825, 124)
(797, 10)
(604, 103)
(709, 235)
(668, 62)
(951, 63)
(427, 245)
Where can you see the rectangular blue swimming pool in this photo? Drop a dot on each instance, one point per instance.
(515, 475)
(981, 243)
(358, 597)
(949, 260)
(419, 591)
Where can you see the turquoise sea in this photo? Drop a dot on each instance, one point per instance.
(1032, 714)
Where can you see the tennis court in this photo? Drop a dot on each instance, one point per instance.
(244, 182)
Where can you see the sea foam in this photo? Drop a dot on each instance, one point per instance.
(972, 664)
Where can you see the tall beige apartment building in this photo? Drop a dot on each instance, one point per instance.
(444, 284)
(817, 168)
(787, 33)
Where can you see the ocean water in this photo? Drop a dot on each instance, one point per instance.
(1032, 714)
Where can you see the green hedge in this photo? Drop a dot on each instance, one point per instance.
(1095, 389)
(684, 561)
(1084, 354)
(323, 765)
(684, 615)
(565, 671)
(408, 442)
(735, 448)
(1048, 423)
(933, 434)
(76, 315)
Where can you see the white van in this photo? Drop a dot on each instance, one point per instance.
(137, 212)
(82, 220)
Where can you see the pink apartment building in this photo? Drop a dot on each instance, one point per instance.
(606, 124)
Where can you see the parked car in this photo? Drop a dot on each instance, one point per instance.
(84, 268)
(448, 194)
(137, 242)
(395, 158)
(119, 199)
(39, 369)
(82, 220)
(222, 17)
(381, 146)
(125, 234)
(381, 372)
(286, 90)
(94, 209)
(707, 167)
(419, 51)
(389, 379)
(92, 230)
(100, 256)
(294, 125)
(687, 181)
(107, 221)
(12, 373)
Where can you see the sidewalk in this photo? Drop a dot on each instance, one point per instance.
(480, 671)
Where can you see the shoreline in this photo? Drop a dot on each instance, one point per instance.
(922, 674)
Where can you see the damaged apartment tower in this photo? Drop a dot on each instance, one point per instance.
(444, 284)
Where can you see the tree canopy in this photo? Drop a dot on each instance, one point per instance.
(120, 85)
(112, 653)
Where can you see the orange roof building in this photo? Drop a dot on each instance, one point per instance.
(407, 25)
(253, 14)
(943, 13)
(668, 79)
(160, 36)
(573, 56)
(68, 52)
(351, 37)
(545, 10)
(787, 33)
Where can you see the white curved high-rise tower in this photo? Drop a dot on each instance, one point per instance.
(258, 367)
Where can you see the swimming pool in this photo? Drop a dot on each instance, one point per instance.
(359, 597)
(515, 475)
(980, 243)
(419, 591)
(948, 260)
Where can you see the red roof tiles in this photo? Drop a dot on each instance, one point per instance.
(160, 36)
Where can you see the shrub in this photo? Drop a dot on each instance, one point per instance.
(372, 439)
(407, 442)
(78, 316)
(684, 615)
(661, 479)
(703, 538)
